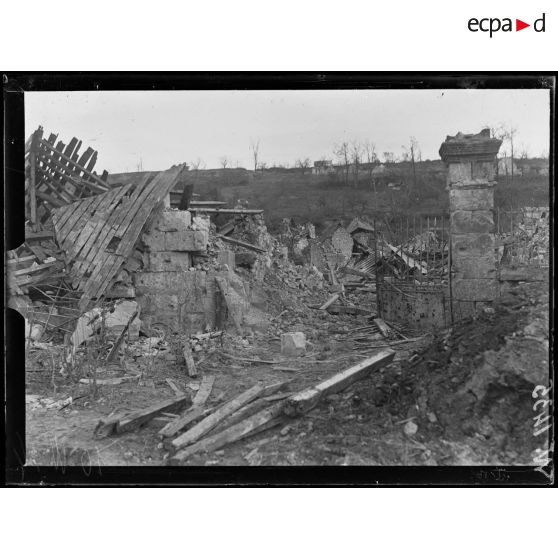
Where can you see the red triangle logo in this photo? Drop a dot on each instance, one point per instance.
(519, 25)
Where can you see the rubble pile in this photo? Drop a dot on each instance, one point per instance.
(473, 385)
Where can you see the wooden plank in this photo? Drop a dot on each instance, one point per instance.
(186, 197)
(80, 165)
(115, 348)
(83, 228)
(358, 273)
(104, 260)
(92, 250)
(307, 399)
(136, 419)
(385, 330)
(256, 406)
(189, 360)
(329, 301)
(99, 238)
(214, 419)
(174, 387)
(39, 235)
(50, 199)
(256, 423)
(37, 268)
(32, 190)
(226, 211)
(205, 390)
(82, 238)
(241, 243)
(188, 417)
(68, 216)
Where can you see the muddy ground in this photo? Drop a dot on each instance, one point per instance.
(458, 398)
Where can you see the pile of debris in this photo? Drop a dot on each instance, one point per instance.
(191, 427)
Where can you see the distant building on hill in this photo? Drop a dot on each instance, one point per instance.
(323, 167)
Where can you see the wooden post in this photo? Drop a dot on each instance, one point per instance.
(32, 191)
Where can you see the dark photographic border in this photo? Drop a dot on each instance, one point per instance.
(14, 86)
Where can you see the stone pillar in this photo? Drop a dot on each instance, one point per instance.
(471, 161)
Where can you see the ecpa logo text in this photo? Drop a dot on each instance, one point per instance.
(494, 24)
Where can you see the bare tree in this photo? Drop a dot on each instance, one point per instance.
(255, 149)
(411, 153)
(224, 161)
(356, 160)
(389, 157)
(342, 152)
(198, 164)
(303, 164)
(369, 149)
(262, 166)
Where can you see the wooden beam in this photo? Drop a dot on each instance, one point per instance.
(134, 420)
(214, 419)
(186, 197)
(256, 423)
(385, 330)
(189, 359)
(227, 211)
(114, 351)
(329, 301)
(32, 189)
(75, 165)
(307, 399)
(190, 416)
(205, 390)
(241, 243)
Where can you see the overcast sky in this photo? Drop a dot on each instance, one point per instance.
(163, 128)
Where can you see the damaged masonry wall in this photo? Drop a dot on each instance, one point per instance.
(170, 292)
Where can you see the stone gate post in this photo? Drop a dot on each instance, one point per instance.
(471, 162)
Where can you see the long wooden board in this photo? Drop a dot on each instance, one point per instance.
(256, 423)
(302, 402)
(214, 419)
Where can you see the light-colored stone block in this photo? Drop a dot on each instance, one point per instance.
(463, 221)
(171, 221)
(186, 241)
(471, 199)
(169, 261)
(459, 172)
(476, 267)
(472, 244)
(475, 289)
(293, 344)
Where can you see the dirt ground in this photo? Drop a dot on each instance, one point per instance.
(459, 398)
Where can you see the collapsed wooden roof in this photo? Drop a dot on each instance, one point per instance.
(56, 175)
(98, 234)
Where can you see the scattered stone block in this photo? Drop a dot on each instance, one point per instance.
(293, 344)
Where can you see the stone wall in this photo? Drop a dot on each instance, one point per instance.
(420, 309)
(170, 292)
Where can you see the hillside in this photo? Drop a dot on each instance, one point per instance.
(305, 196)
